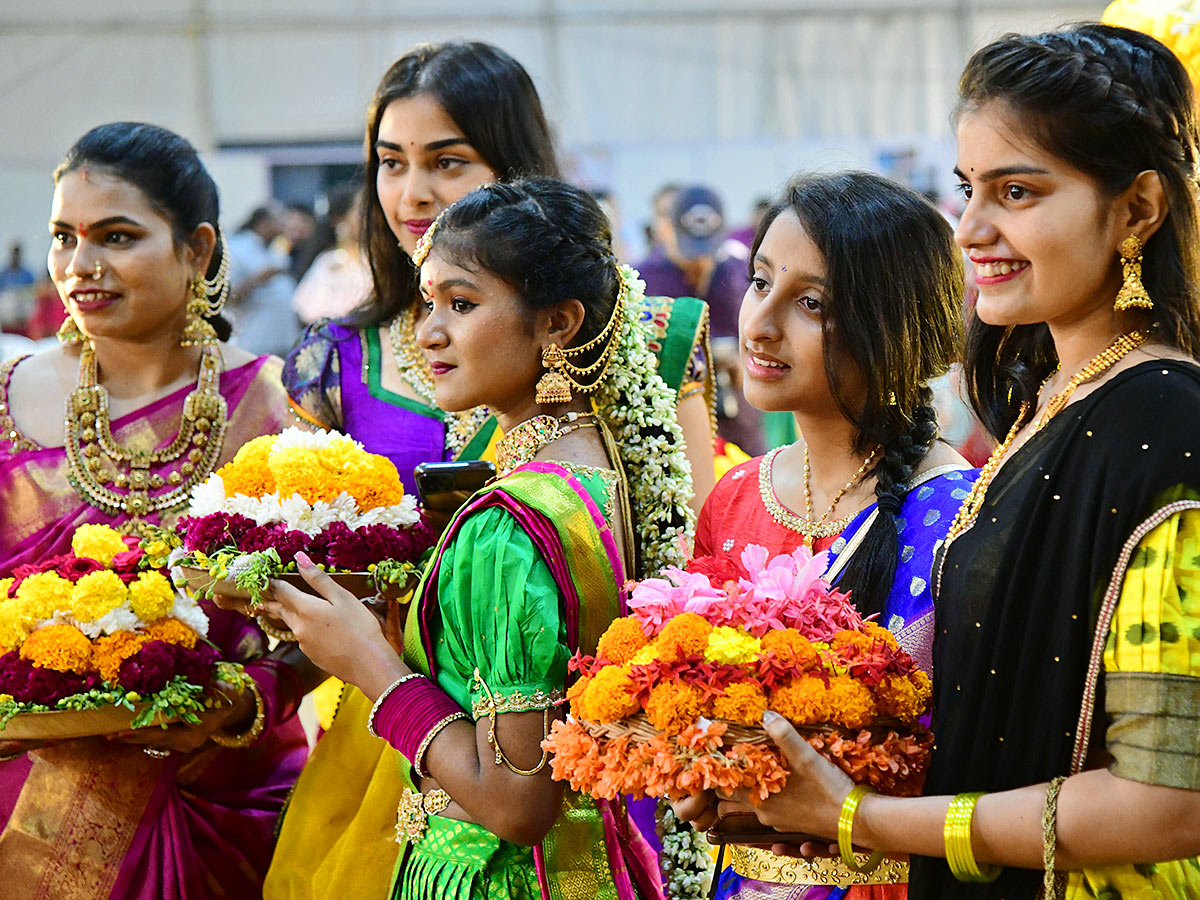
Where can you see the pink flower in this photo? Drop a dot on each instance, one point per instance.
(656, 600)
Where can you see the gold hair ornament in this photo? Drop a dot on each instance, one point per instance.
(425, 242)
(1133, 293)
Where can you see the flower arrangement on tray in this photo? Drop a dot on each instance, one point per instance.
(673, 701)
(97, 640)
(319, 492)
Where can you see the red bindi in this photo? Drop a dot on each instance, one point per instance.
(81, 230)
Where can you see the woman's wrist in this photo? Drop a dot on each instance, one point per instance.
(380, 670)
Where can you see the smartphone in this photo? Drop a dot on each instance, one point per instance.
(446, 486)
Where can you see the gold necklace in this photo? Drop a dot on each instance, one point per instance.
(414, 368)
(1104, 360)
(823, 527)
(95, 459)
(520, 445)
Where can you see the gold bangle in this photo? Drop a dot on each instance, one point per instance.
(280, 634)
(1052, 881)
(959, 853)
(845, 832)
(251, 734)
(419, 756)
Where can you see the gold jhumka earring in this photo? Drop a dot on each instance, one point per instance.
(207, 298)
(1133, 293)
(553, 387)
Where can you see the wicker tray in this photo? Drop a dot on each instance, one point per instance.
(360, 584)
(638, 728)
(59, 725)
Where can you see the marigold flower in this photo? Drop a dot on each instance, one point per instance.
(44, 594)
(5, 584)
(96, 594)
(151, 596)
(575, 696)
(16, 621)
(673, 706)
(791, 647)
(621, 641)
(374, 482)
(109, 652)
(684, 635)
(803, 701)
(877, 632)
(645, 656)
(609, 695)
(731, 646)
(172, 631)
(852, 703)
(897, 696)
(98, 542)
(743, 702)
(247, 473)
(63, 648)
(847, 638)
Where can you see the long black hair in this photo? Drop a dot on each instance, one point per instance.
(166, 169)
(895, 281)
(492, 99)
(1112, 103)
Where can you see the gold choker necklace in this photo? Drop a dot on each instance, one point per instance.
(520, 445)
(95, 460)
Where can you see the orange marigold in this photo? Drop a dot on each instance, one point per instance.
(247, 473)
(685, 635)
(621, 642)
(743, 702)
(877, 632)
(609, 695)
(791, 646)
(847, 638)
(575, 696)
(898, 696)
(804, 700)
(109, 652)
(373, 483)
(673, 706)
(63, 648)
(172, 631)
(852, 703)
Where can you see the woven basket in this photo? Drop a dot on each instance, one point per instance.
(638, 728)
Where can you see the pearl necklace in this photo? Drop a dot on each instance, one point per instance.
(95, 460)
(1106, 359)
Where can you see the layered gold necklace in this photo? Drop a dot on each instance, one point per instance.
(520, 445)
(414, 369)
(117, 479)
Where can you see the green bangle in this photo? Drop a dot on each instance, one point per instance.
(846, 833)
(959, 853)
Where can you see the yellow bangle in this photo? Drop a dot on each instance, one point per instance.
(960, 855)
(846, 832)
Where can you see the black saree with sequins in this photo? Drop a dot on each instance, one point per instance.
(1018, 595)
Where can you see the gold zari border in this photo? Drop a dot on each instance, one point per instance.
(763, 865)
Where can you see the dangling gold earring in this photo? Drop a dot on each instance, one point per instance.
(1133, 293)
(553, 388)
(68, 331)
(197, 330)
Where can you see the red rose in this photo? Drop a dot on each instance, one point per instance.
(73, 568)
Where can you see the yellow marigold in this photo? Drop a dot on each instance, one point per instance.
(804, 700)
(899, 697)
(743, 703)
(45, 593)
(645, 656)
(685, 635)
(609, 695)
(98, 542)
(151, 596)
(5, 584)
(16, 621)
(673, 706)
(851, 700)
(575, 696)
(96, 594)
(790, 646)
(172, 631)
(247, 473)
(621, 642)
(731, 646)
(63, 648)
(374, 482)
(109, 652)
(880, 634)
(298, 470)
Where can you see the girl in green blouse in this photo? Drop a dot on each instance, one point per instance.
(530, 315)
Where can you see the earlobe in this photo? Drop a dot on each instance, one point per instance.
(1147, 205)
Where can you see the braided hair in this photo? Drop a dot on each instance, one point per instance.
(552, 242)
(1112, 103)
(894, 320)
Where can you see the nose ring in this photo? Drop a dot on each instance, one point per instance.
(97, 271)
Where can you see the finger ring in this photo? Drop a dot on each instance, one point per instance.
(156, 752)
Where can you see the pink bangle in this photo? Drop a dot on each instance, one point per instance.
(411, 713)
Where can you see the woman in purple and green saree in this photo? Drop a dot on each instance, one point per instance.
(188, 812)
(528, 313)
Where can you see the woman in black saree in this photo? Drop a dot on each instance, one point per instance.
(1067, 652)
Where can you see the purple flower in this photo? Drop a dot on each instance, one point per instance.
(158, 662)
(28, 683)
(208, 533)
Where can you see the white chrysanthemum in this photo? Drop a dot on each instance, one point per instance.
(208, 497)
(120, 619)
(263, 510)
(188, 611)
(400, 515)
(298, 439)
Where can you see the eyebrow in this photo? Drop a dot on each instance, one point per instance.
(1003, 172)
(456, 282)
(429, 148)
(803, 276)
(103, 223)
